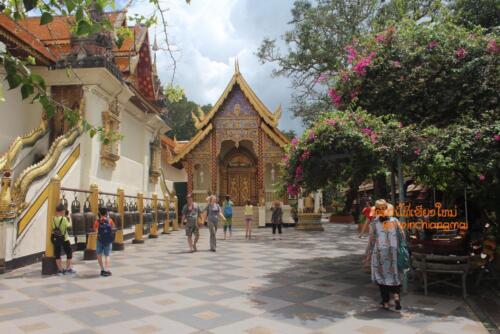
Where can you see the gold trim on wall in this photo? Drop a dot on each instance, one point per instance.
(29, 139)
(36, 171)
(38, 202)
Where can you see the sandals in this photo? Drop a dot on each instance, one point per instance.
(385, 306)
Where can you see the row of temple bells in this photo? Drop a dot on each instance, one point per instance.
(83, 222)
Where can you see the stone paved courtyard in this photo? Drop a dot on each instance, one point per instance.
(304, 283)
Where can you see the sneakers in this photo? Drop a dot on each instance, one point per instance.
(60, 273)
(70, 271)
(105, 273)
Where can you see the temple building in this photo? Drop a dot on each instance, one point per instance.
(112, 87)
(237, 149)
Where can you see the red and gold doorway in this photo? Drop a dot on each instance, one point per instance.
(239, 177)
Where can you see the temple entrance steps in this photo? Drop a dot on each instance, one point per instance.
(239, 217)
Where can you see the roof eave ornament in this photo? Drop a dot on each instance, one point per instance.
(277, 115)
(198, 118)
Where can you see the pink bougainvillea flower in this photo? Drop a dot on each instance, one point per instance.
(363, 63)
(336, 98)
(432, 44)
(478, 135)
(298, 173)
(492, 46)
(305, 156)
(379, 37)
(292, 189)
(367, 131)
(295, 141)
(460, 53)
(373, 137)
(322, 78)
(331, 122)
(351, 53)
(417, 151)
(482, 177)
(396, 64)
(496, 137)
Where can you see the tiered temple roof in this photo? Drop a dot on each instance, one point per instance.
(203, 122)
(51, 42)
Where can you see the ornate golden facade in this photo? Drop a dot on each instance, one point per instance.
(237, 148)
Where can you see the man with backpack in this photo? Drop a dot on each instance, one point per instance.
(60, 239)
(190, 214)
(228, 213)
(104, 227)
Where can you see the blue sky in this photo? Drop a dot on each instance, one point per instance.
(209, 35)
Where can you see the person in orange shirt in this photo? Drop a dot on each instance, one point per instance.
(366, 212)
(104, 226)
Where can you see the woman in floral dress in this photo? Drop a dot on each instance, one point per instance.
(382, 253)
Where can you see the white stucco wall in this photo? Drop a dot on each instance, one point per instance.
(132, 169)
(19, 116)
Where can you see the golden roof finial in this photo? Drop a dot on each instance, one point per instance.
(236, 66)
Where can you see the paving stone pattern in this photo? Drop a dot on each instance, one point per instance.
(304, 283)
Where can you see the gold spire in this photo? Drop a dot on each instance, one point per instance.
(236, 66)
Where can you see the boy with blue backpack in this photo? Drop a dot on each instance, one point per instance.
(228, 213)
(104, 227)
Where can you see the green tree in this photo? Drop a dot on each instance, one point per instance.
(320, 30)
(315, 44)
(484, 13)
(290, 134)
(179, 117)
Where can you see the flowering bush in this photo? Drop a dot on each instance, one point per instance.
(423, 73)
(463, 155)
(343, 148)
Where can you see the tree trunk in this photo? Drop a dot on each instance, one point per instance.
(393, 184)
(380, 186)
(351, 194)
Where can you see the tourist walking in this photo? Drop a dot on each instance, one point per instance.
(190, 213)
(213, 212)
(366, 217)
(386, 235)
(105, 236)
(277, 218)
(248, 213)
(60, 239)
(228, 213)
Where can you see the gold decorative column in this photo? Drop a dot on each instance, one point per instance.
(139, 227)
(154, 227)
(7, 215)
(49, 261)
(166, 225)
(118, 243)
(90, 252)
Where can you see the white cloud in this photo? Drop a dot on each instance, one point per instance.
(209, 34)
